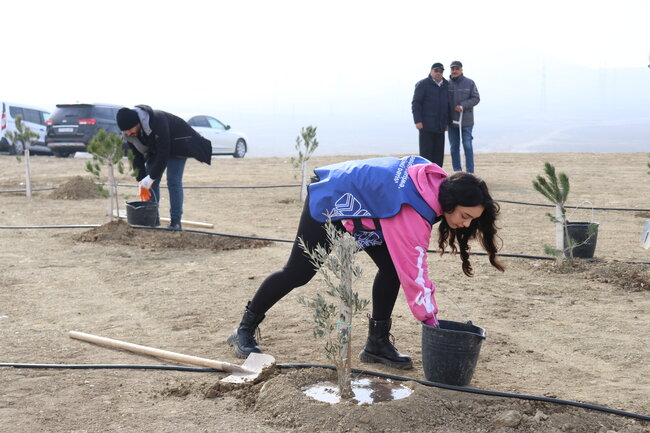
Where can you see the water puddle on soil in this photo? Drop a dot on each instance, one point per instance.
(366, 391)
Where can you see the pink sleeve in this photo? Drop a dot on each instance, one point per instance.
(407, 237)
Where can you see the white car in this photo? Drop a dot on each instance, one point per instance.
(224, 140)
(33, 117)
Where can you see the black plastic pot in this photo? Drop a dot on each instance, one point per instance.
(584, 235)
(142, 213)
(450, 351)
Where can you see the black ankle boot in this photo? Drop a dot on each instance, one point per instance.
(379, 349)
(243, 338)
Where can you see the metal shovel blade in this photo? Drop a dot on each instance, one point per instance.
(254, 364)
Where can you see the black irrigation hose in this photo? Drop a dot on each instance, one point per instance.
(215, 186)
(476, 253)
(257, 238)
(575, 207)
(24, 190)
(354, 370)
(75, 226)
(297, 185)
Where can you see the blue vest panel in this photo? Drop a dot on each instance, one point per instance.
(367, 188)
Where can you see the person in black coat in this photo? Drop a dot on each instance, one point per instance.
(162, 141)
(432, 113)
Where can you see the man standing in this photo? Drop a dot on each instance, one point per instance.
(463, 95)
(432, 113)
(161, 141)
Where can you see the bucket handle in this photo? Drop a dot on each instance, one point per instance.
(580, 207)
(457, 306)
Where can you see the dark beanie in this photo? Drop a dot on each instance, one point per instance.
(127, 118)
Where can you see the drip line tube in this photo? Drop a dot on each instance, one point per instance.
(475, 253)
(74, 226)
(24, 190)
(574, 207)
(293, 185)
(354, 370)
(214, 186)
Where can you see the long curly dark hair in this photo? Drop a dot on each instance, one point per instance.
(465, 189)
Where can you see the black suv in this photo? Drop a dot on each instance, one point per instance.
(71, 126)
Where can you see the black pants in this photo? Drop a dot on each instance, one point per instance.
(432, 146)
(299, 271)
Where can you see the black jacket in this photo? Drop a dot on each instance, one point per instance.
(431, 105)
(168, 136)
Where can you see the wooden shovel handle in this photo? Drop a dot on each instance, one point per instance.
(159, 353)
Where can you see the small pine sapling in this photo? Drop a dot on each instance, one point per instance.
(106, 150)
(334, 322)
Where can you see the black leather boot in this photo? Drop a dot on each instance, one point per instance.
(243, 338)
(379, 349)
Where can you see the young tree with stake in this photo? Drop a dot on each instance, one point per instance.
(335, 323)
(24, 135)
(106, 149)
(306, 144)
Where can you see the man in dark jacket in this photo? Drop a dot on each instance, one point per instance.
(432, 113)
(463, 96)
(161, 141)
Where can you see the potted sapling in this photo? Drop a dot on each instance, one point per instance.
(573, 239)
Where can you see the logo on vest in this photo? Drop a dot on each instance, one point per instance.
(348, 206)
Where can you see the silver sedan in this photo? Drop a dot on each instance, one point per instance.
(224, 140)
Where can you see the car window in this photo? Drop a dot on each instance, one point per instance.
(104, 113)
(214, 123)
(16, 111)
(45, 115)
(71, 112)
(199, 121)
(33, 116)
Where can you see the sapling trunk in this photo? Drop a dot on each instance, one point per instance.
(303, 184)
(112, 191)
(344, 372)
(559, 229)
(28, 172)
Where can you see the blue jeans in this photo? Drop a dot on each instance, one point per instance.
(175, 169)
(454, 147)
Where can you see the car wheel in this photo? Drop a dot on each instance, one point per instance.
(240, 149)
(17, 148)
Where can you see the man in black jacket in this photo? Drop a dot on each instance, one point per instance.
(162, 141)
(432, 113)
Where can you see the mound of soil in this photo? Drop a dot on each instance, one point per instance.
(282, 404)
(77, 188)
(627, 276)
(122, 233)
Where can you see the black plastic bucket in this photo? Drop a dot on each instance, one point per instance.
(142, 213)
(584, 236)
(450, 351)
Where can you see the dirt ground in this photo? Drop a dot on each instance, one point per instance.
(579, 332)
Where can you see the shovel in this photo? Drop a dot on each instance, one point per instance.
(247, 372)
